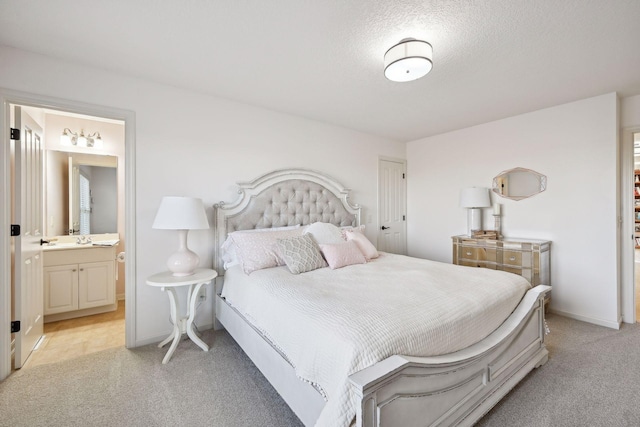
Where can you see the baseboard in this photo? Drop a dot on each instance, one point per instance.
(80, 313)
(157, 338)
(120, 297)
(595, 321)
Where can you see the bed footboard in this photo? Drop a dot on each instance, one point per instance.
(457, 388)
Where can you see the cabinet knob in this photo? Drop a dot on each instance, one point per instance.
(74, 270)
(82, 269)
(469, 253)
(512, 258)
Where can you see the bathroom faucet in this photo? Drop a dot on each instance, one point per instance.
(83, 240)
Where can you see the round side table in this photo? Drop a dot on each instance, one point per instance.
(182, 324)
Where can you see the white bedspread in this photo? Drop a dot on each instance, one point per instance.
(332, 323)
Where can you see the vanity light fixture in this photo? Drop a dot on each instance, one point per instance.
(408, 60)
(182, 214)
(473, 199)
(93, 140)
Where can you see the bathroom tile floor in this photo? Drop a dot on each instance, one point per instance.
(68, 339)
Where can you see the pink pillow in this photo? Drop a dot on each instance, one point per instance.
(366, 247)
(342, 254)
(343, 230)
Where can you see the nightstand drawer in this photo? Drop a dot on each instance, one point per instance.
(469, 253)
(514, 270)
(477, 263)
(512, 258)
(476, 253)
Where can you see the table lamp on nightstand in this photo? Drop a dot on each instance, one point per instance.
(182, 214)
(473, 199)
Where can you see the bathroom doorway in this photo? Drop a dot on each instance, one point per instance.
(47, 110)
(636, 194)
(83, 212)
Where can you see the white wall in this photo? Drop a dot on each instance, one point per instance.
(630, 112)
(575, 146)
(196, 145)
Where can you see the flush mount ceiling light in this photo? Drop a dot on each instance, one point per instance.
(408, 60)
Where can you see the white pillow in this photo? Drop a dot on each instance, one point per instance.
(324, 233)
(366, 247)
(256, 251)
(301, 254)
(342, 254)
(228, 248)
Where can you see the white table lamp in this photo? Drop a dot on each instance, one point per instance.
(182, 214)
(473, 199)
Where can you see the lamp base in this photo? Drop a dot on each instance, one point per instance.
(474, 220)
(184, 261)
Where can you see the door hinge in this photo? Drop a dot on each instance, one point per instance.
(15, 326)
(404, 217)
(15, 230)
(402, 176)
(14, 134)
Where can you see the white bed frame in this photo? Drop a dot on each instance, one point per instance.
(451, 389)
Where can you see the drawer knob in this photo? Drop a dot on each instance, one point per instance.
(468, 253)
(512, 258)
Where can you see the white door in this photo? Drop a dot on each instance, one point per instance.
(27, 212)
(392, 236)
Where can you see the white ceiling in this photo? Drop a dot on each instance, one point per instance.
(323, 59)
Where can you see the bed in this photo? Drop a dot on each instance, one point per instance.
(451, 374)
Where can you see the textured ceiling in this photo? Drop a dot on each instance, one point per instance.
(323, 59)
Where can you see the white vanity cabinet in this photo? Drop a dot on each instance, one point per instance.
(79, 281)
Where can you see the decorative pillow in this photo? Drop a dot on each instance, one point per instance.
(342, 254)
(366, 247)
(301, 254)
(343, 230)
(228, 251)
(258, 250)
(228, 248)
(324, 233)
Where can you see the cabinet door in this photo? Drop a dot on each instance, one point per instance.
(60, 288)
(97, 284)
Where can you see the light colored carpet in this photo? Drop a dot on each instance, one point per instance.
(591, 379)
(121, 387)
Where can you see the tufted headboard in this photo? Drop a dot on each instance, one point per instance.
(281, 198)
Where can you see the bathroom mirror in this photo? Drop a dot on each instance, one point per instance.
(81, 193)
(519, 183)
(93, 197)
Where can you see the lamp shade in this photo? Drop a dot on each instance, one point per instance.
(181, 213)
(408, 60)
(475, 197)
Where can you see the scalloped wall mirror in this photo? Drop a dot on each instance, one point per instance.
(519, 183)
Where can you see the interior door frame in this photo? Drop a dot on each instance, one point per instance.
(8, 97)
(627, 293)
(404, 196)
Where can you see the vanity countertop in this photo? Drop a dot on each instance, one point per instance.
(70, 242)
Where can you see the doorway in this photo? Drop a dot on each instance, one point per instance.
(74, 111)
(80, 203)
(392, 205)
(636, 194)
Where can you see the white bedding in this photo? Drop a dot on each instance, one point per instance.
(332, 323)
